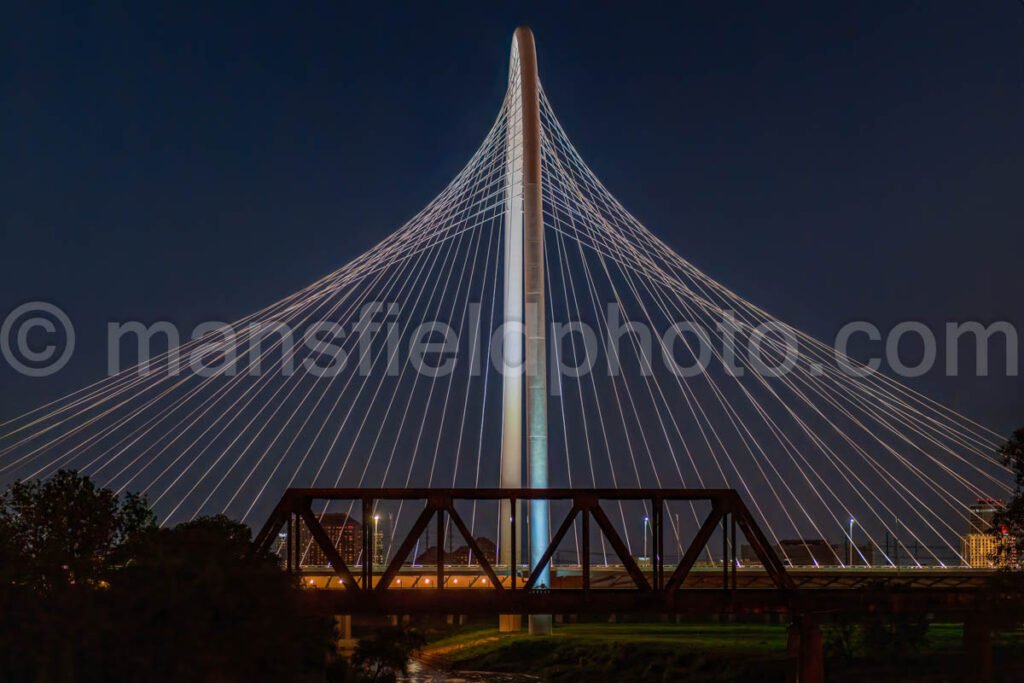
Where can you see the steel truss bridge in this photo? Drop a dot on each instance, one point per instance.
(806, 597)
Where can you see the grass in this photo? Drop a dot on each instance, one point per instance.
(630, 653)
(623, 652)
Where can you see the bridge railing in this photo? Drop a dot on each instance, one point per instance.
(727, 511)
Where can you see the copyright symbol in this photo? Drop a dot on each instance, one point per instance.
(43, 355)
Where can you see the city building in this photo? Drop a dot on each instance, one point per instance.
(863, 555)
(982, 515)
(980, 551)
(979, 546)
(460, 555)
(345, 532)
(428, 556)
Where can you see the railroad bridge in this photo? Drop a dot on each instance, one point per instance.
(628, 585)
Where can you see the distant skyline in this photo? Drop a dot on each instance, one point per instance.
(827, 163)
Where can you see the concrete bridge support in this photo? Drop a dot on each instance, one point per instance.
(978, 649)
(343, 631)
(805, 651)
(510, 623)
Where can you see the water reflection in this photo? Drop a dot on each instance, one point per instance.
(421, 673)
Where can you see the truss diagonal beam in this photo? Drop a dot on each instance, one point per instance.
(474, 547)
(619, 547)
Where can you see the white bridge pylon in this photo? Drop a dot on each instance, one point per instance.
(524, 285)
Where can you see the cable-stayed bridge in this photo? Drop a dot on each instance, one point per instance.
(524, 330)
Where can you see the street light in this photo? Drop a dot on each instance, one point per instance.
(376, 539)
(849, 559)
(647, 521)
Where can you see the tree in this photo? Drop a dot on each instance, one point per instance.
(194, 603)
(382, 656)
(91, 589)
(65, 531)
(1009, 522)
(60, 541)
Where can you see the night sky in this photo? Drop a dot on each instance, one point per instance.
(828, 161)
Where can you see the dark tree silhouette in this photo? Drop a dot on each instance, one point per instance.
(195, 604)
(60, 540)
(92, 590)
(1009, 522)
(66, 531)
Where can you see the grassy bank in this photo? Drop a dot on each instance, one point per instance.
(624, 652)
(631, 653)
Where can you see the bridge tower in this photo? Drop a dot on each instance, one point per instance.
(524, 285)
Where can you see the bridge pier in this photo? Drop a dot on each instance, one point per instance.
(344, 622)
(978, 649)
(343, 631)
(510, 623)
(806, 655)
(540, 624)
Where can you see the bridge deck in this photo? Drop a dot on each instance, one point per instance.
(423, 577)
(941, 603)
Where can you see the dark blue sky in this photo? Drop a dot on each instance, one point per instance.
(828, 161)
